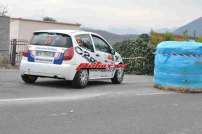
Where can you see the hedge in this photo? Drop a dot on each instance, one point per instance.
(139, 52)
(138, 55)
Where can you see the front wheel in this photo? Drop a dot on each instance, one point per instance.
(30, 79)
(118, 76)
(81, 79)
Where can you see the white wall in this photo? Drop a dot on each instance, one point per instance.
(23, 29)
(14, 29)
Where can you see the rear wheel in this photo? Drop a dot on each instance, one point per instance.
(81, 79)
(29, 78)
(118, 76)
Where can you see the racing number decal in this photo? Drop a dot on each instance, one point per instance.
(85, 54)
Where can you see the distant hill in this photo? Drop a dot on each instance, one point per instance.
(112, 38)
(165, 30)
(192, 28)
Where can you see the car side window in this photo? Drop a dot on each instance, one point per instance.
(101, 45)
(85, 41)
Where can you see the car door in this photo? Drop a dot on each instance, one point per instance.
(103, 52)
(86, 50)
(85, 47)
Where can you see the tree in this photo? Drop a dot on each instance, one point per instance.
(169, 36)
(50, 19)
(3, 10)
(194, 34)
(156, 38)
(185, 34)
(145, 37)
(139, 54)
(199, 39)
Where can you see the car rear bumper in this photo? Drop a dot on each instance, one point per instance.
(64, 71)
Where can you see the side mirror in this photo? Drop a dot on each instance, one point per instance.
(113, 52)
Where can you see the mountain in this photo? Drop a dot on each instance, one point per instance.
(164, 30)
(127, 30)
(112, 38)
(193, 28)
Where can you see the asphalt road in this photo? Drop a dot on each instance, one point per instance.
(135, 107)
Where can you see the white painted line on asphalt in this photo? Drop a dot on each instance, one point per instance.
(148, 94)
(60, 98)
(141, 93)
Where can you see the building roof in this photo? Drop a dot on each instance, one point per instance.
(40, 21)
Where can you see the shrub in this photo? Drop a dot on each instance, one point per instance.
(139, 54)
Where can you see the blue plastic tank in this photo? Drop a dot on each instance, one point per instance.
(179, 64)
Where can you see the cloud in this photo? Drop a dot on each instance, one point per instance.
(110, 14)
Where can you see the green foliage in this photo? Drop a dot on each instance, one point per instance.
(156, 38)
(3, 10)
(50, 19)
(185, 33)
(199, 39)
(139, 53)
(168, 36)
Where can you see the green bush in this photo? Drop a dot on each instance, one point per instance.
(139, 54)
(143, 47)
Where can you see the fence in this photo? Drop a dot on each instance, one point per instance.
(140, 65)
(16, 49)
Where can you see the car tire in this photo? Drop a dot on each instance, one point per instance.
(118, 76)
(81, 79)
(30, 79)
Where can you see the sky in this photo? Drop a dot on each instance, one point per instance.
(120, 16)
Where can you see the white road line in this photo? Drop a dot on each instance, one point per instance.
(62, 98)
(141, 93)
(148, 94)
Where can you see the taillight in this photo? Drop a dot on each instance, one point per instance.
(25, 53)
(69, 53)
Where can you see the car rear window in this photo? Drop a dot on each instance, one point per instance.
(52, 39)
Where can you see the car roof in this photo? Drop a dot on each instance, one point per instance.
(68, 32)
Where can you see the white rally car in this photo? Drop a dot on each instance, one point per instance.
(73, 55)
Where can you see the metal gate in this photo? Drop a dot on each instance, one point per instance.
(16, 49)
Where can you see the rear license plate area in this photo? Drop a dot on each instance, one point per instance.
(44, 54)
(44, 60)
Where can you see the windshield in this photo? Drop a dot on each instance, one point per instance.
(52, 39)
